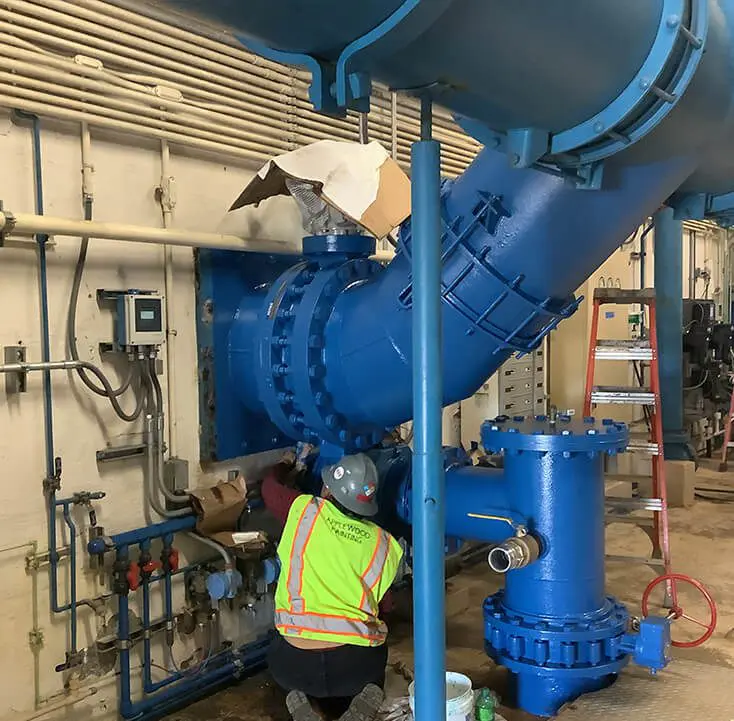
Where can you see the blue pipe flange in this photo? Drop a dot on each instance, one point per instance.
(647, 100)
(295, 391)
(566, 436)
(651, 95)
(592, 646)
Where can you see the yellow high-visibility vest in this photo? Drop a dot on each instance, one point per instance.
(336, 569)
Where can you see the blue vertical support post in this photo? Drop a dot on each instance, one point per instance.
(428, 474)
(669, 296)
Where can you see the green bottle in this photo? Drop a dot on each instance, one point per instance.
(484, 708)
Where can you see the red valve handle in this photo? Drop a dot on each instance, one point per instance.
(133, 576)
(677, 612)
(151, 566)
(173, 559)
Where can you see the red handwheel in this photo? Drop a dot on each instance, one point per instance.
(677, 612)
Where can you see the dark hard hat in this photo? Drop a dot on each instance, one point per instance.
(353, 483)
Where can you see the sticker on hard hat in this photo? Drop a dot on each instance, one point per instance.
(339, 473)
(368, 490)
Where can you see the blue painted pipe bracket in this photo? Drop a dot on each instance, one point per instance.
(541, 317)
(341, 86)
(704, 206)
(647, 100)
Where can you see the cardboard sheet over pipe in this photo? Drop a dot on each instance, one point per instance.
(361, 181)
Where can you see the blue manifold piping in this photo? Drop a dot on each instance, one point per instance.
(181, 687)
(225, 668)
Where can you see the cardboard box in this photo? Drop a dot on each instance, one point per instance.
(362, 181)
(218, 510)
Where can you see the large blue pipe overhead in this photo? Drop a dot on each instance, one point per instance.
(570, 84)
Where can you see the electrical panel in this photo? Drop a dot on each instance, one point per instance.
(518, 388)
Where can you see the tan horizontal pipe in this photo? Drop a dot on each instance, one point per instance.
(29, 224)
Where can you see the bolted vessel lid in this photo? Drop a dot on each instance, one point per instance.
(566, 435)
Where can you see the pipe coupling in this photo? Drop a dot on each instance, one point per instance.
(514, 553)
(7, 222)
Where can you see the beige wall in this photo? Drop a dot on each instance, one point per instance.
(126, 173)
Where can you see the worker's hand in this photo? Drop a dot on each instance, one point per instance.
(288, 458)
(286, 471)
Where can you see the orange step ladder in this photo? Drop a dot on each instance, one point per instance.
(644, 350)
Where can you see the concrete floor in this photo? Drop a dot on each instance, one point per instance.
(702, 546)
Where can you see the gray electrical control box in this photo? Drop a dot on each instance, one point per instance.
(140, 320)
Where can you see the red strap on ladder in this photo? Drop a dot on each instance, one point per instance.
(727, 436)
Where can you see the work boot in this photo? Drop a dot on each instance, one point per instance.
(365, 704)
(299, 707)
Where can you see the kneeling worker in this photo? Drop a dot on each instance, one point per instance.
(337, 566)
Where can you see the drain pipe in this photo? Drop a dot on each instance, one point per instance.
(167, 198)
(52, 481)
(428, 480)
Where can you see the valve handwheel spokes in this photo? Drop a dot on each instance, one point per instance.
(677, 612)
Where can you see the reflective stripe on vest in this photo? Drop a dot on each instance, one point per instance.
(296, 622)
(305, 527)
(374, 570)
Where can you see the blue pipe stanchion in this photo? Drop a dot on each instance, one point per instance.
(428, 481)
(669, 302)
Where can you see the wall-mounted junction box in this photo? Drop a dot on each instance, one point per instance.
(139, 320)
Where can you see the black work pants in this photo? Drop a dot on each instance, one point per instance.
(334, 673)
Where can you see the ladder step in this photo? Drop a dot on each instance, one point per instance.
(652, 562)
(624, 296)
(623, 395)
(640, 445)
(634, 504)
(629, 350)
(629, 520)
(626, 478)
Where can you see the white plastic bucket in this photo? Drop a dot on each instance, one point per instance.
(459, 697)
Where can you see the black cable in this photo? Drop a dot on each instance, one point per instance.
(693, 388)
(71, 320)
